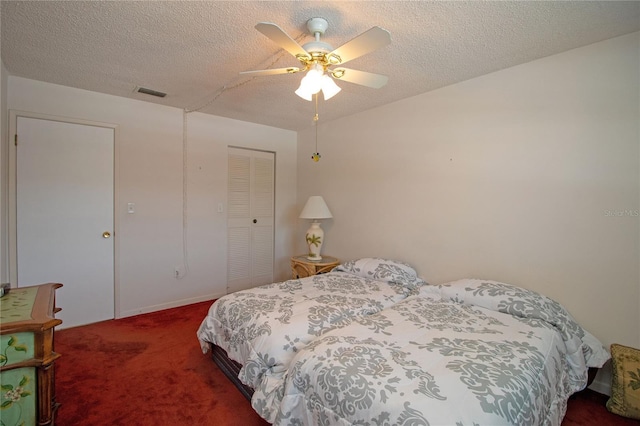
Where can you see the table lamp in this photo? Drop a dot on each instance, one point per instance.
(315, 209)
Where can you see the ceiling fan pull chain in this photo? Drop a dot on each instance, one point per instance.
(316, 155)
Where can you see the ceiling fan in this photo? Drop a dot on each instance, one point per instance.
(323, 61)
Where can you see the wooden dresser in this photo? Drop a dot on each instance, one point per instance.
(27, 377)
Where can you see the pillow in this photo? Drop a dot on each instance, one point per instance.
(625, 383)
(389, 271)
(528, 304)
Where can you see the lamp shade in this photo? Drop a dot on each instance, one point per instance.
(315, 208)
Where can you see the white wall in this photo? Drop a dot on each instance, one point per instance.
(149, 147)
(529, 176)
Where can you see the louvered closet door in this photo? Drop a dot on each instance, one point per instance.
(250, 218)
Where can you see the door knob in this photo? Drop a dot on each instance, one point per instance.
(106, 234)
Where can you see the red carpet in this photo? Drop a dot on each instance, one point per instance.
(588, 408)
(149, 370)
(144, 370)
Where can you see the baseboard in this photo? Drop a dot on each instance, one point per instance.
(602, 381)
(601, 386)
(169, 305)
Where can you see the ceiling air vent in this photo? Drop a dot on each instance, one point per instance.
(151, 92)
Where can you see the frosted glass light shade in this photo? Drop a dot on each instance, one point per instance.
(315, 208)
(329, 87)
(304, 94)
(310, 83)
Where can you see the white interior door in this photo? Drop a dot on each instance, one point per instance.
(64, 215)
(250, 218)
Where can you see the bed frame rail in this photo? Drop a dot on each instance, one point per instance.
(230, 368)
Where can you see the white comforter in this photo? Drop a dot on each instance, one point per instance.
(264, 327)
(469, 353)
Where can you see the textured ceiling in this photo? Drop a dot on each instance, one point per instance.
(194, 51)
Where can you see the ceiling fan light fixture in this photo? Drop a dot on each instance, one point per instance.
(318, 57)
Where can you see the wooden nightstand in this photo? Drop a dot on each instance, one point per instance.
(302, 267)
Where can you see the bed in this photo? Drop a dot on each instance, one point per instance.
(471, 352)
(254, 334)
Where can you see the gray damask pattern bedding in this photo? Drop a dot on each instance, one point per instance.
(264, 327)
(469, 353)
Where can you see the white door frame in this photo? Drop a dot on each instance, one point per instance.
(13, 237)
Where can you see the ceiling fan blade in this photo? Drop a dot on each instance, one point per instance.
(274, 71)
(282, 39)
(363, 78)
(366, 42)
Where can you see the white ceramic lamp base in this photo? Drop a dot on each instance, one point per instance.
(315, 238)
